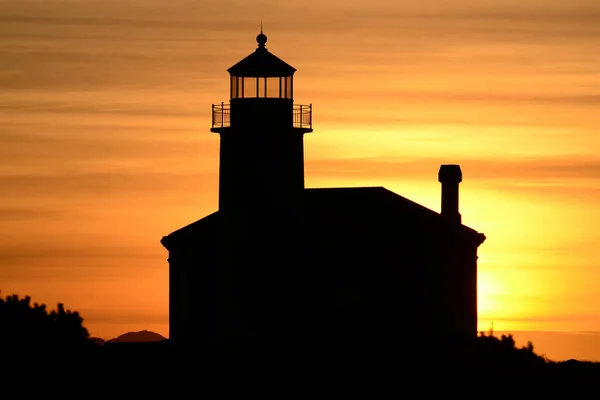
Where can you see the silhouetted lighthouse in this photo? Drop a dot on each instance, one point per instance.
(262, 150)
(281, 264)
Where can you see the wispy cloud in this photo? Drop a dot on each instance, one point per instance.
(516, 170)
(20, 213)
(99, 316)
(550, 318)
(24, 255)
(104, 184)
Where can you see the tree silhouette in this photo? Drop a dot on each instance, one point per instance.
(25, 326)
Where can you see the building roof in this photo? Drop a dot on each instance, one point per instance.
(262, 63)
(330, 206)
(196, 230)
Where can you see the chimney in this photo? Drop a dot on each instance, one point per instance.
(450, 176)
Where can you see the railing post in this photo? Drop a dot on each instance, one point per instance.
(222, 108)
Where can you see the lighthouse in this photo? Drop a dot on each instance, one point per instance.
(279, 263)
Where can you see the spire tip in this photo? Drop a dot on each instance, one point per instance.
(261, 38)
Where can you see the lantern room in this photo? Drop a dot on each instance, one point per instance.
(261, 95)
(261, 75)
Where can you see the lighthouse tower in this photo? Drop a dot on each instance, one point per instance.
(261, 129)
(261, 192)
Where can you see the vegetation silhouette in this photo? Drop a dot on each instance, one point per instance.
(27, 326)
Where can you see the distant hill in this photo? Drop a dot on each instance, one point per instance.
(141, 336)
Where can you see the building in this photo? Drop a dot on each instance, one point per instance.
(279, 263)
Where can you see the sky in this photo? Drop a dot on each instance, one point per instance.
(105, 142)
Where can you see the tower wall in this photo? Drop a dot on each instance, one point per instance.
(261, 158)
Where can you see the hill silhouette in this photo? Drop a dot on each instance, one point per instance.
(136, 337)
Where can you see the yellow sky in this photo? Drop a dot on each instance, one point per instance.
(105, 144)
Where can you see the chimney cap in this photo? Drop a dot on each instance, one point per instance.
(450, 173)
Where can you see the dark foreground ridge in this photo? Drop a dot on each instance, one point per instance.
(488, 355)
(56, 344)
(31, 329)
(485, 356)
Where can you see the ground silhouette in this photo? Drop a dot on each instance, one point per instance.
(25, 326)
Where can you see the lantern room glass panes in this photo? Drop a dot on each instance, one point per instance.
(273, 87)
(261, 87)
(234, 92)
(250, 87)
(288, 88)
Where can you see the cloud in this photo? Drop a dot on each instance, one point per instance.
(515, 170)
(468, 97)
(94, 316)
(25, 253)
(91, 107)
(94, 155)
(20, 213)
(104, 185)
(551, 318)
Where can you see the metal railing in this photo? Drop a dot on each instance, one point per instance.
(301, 115)
(221, 115)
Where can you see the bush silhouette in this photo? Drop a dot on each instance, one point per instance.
(26, 326)
(501, 354)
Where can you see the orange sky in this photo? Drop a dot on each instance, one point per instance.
(105, 144)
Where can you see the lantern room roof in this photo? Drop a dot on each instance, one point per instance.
(262, 63)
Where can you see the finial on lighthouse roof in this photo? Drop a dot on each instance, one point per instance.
(261, 38)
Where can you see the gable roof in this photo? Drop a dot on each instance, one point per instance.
(332, 205)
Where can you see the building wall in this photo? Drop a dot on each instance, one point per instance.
(261, 157)
(414, 283)
(266, 283)
(192, 293)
